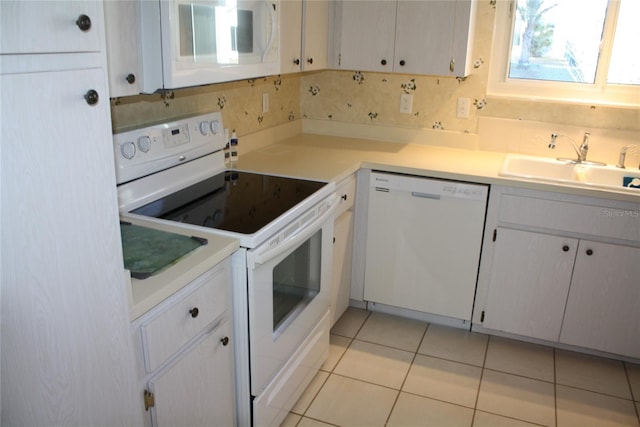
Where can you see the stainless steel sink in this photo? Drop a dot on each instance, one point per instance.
(580, 174)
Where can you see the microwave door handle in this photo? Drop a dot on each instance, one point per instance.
(272, 15)
(261, 257)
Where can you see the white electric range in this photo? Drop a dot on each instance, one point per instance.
(175, 173)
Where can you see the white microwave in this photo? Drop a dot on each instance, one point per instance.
(197, 42)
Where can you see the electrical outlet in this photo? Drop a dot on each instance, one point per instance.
(406, 103)
(265, 102)
(462, 110)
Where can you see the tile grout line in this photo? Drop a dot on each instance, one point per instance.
(331, 372)
(633, 397)
(484, 362)
(406, 375)
(555, 388)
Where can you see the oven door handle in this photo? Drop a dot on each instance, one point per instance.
(261, 257)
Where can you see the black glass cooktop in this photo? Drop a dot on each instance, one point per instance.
(235, 201)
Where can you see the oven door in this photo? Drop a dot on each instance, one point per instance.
(288, 279)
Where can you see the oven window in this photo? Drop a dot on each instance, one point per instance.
(296, 281)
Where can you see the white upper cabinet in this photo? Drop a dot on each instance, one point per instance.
(121, 21)
(304, 32)
(366, 35)
(417, 37)
(290, 36)
(70, 26)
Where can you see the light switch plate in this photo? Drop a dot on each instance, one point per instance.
(406, 103)
(462, 110)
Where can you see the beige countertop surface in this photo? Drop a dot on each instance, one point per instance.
(332, 158)
(149, 292)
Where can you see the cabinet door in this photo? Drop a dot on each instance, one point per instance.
(122, 20)
(316, 34)
(290, 36)
(341, 274)
(424, 33)
(49, 26)
(65, 328)
(367, 35)
(198, 390)
(603, 309)
(529, 283)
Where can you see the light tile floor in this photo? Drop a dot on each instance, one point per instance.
(385, 370)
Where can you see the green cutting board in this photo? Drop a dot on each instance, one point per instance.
(148, 251)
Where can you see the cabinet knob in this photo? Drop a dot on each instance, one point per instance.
(131, 79)
(589, 252)
(402, 62)
(83, 22)
(310, 60)
(383, 62)
(565, 248)
(344, 197)
(91, 97)
(296, 61)
(194, 312)
(224, 341)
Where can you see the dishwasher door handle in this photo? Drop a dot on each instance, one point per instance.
(425, 195)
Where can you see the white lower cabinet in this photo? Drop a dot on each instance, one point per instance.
(185, 363)
(603, 308)
(197, 390)
(530, 279)
(563, 269)
(343, 229)
(341, 280)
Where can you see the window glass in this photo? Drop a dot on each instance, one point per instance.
(624, 67)
(296, 281)
(557, 40)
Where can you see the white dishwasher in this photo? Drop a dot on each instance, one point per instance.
(423, 243)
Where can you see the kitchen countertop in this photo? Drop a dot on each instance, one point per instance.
(332, 158)
(147, 293)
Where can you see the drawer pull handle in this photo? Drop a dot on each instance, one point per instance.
(83, 22)
(565, 248)
(194, 312)
(344, 197)
(589, 252)
(91, 97)
(224, 341)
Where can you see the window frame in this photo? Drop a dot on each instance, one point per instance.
(598, 93)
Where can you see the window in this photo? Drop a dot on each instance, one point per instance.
(567, 50)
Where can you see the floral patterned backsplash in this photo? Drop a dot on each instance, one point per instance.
(240, 103)
(362, 97)
(374, 98)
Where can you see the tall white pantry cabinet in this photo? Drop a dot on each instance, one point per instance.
(66, 346)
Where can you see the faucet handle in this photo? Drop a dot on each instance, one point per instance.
(623, 154)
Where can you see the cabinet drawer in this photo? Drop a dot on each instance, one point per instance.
(164, 334)
(50, 26)
(570, 217)
(346, 191)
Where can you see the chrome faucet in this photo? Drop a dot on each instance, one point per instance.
(581, 151)
(584, 148)
(623, 154)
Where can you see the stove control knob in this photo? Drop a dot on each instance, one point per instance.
(204, 128)
(128, 150)
(144, 143)
(215, 127)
